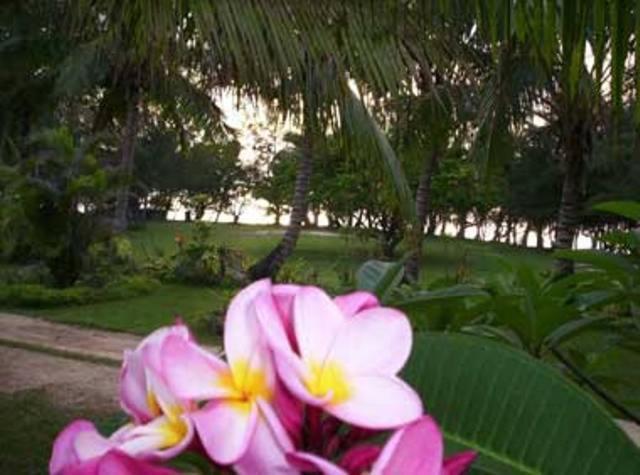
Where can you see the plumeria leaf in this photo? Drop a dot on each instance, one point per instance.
(519, 414)
(380, 277)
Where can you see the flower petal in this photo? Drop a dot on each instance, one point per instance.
(375, 341)
(160, 439)
(360, 458)
(241, 329)
(226, 428)
(264, 455)
(152, 344)
(133, 388)
(118, 463)
(283, 296)
(355, 302)
(193, 373)
(378, 402)
(307, 462)
(64, 453)
(416, 448)
(459, 463)
(293, 373)
(317, 321)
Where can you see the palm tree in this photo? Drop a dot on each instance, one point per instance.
(266, 49)
(546, 43)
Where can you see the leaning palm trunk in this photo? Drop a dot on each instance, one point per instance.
(571, 201)
(423, 205)
(127, 151)
(271, 264)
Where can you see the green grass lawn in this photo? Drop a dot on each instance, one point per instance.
(29, 422)
(326, 257)
(330, 255)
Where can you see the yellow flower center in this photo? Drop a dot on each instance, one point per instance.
(245, 384)
(328, 378)
(173, 431)
(152, 402)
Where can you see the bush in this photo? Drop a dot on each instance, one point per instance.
(200, 261)
(106, 259)
(40, 296)
(36, 273)
(296, 271)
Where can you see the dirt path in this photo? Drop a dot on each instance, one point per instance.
(66, 382)
(68, 339)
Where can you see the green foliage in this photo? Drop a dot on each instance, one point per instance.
(519, 414)
(380, 277)
(106, 259)
(199, 260)
(40, 296)
(276, 186)
(43, 214)
(295, 271)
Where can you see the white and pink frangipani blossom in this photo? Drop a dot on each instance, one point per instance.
(160, 427)
(238, 424)
(416, 449)
(80, 450)
(345, 357)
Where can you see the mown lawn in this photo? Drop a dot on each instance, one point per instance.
(329, 258)
(29, 422)
(330, 254)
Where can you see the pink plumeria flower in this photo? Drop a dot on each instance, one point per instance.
(346, 358)
(416, 449)
(161, 427)
(284, 294)
(238, 423)
(80, 450)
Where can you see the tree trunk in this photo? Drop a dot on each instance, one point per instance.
(443, 226)
(431, 226)
(271, 264)
(462, 222)
(423, 201)
(539, 237)
(127, 150)
(571, 201)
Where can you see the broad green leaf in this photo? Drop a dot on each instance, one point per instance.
(574, 328)
(627, 209)
(447, 293)
(616, 266)
(519, 414)
(379, 277)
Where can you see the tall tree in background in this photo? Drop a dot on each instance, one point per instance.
(547, 41)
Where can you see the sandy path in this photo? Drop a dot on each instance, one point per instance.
(82, 342)
(65, 382)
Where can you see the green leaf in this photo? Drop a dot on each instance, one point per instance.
(616, 266)
(438, 295)
(379, 277)
(519, 414)
(627, 209)
(573, 328)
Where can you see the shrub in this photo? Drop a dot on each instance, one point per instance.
(298, 270)
(200, 261)
(106, 259)
(40, 296)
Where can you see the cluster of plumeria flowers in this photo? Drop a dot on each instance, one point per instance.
(309, 385)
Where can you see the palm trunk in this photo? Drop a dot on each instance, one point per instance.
(539, 237)
(571, 200)
(271, 264)
(423, 201)
(127, 150)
